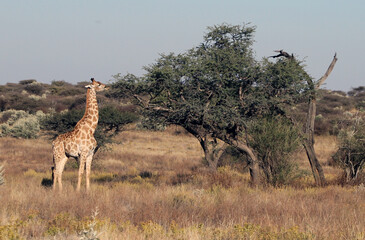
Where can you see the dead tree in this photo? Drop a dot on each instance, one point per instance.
(309, 127)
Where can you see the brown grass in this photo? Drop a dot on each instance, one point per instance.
(153, 186)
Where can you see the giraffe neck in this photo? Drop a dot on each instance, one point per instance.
(91, 116)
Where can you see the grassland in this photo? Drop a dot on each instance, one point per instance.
(153, 185)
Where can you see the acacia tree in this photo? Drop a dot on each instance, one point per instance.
(199, 90)
(213, 90)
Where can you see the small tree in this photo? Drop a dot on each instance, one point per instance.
(351, 153)
(275, 139)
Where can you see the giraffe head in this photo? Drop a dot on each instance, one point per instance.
(96, 85)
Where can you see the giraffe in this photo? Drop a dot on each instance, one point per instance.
(80, 142)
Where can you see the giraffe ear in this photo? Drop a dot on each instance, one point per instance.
(88, 86)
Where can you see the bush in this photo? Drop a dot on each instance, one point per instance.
(114, 118)
(34, 88)
(71, 91)
(350, 155)
(77, 103)
(20, 124)
(60, 83)
(27, 81)
(274, 140)
(359, 96)
(61, 122)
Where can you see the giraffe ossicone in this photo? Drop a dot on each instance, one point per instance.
(80, 142)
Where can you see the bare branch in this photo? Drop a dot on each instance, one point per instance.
(182, 96)
(162, 109)
(169, 97)
(328, 72)
(208, 102)
(240, 94)
(142, 102)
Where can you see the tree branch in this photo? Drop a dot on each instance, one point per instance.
(328, 72)
(142, 102)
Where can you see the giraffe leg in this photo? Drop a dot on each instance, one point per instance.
(81, 170)
(58, 169)
(89, 159)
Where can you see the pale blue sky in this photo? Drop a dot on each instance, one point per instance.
(74, 40)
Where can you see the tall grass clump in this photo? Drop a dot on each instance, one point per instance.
(275, 140)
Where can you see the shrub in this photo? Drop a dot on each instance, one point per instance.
(60, 87)
(27, 81)
(350, 155)
(20, 124)
(34, 88)
(61, 122)
(70, 91)
(359, 96)
(60, 83)
(77, 103)
(275, 139)
(90, 233)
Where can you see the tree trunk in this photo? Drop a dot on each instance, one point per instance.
(213, 150)
(316, 167)
(308, 144)
(352, 171)
(267, 169)
(254, 172)
(253, 164)
(317, 170)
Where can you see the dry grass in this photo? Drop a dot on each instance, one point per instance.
(19, 155)
(160, 151)
(153, 186)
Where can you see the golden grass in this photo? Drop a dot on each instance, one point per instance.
(19, 155)
(160, 151)
(154, 186)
